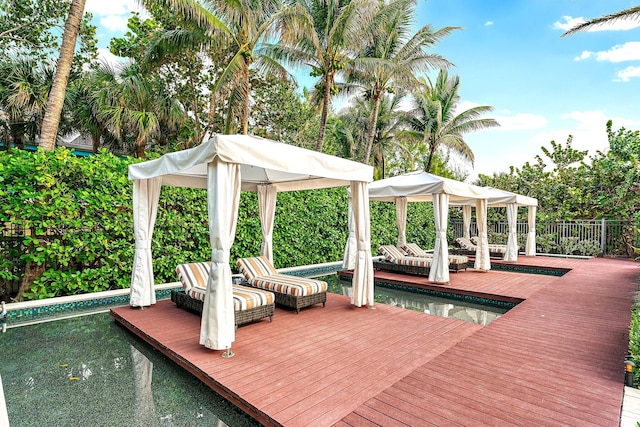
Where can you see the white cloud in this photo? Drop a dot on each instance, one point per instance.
(627, 74)
(112, 7)
(107, 57)
(521, 121)
(629, 51)
(584, 55)
(115, 23)
(567, 22)
(488, 23)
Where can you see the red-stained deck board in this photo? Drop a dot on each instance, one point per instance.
(555, 359)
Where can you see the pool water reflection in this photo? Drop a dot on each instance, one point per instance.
(420, 300)
(88, 371)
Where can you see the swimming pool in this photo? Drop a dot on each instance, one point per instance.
(88, 371)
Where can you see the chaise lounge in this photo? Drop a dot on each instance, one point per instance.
(290, 291)
(467, 247)
(250, 304)
(397, 261)
(456, 262)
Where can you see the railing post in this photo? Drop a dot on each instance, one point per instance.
(603, 236)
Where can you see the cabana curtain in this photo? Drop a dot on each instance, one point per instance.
(217, 330)
(466, 221)
(401, 218)
(531, 237)
(439, 272)
(146, 193)
(512, 240)
(363, 270)
(482, 248)
(267, 208)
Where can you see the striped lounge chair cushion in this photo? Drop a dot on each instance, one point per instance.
(414, 261)
(193, 274)
(290, 285)
(254, 267)
(390, 252)
(493, 247)
(458, 259)
(465, 244)
(413, 249)
(244, 297)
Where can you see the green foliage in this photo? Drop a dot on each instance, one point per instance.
(78, 221)
(634, 343)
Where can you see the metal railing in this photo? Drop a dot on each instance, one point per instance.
(579, 237)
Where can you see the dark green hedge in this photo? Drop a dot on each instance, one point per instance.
(77, 217)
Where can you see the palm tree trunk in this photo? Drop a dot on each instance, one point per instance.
(373, 123)
(326, 101)
(432, 151)
(63, 68)
(245, 105)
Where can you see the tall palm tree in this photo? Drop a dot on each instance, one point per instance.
(131, 106)
(435, 121)
(393, 57)
(626, 14)
(63, 69)
(323, 35)
(239, 25)
(24, 87)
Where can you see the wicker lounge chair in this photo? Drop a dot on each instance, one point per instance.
(456, 262)
(397, 261)
(290, 291)
(493, 247)
(467, 247)
(250, 304)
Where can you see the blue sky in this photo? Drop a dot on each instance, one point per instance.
(510, 55)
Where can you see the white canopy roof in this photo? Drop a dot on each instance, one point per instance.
(262, 161)
(421, 186)
(501, 198)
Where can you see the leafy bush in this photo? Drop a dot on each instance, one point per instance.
(78, 221)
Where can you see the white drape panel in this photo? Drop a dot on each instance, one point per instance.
(466, 221)
(439, 272)
(362, 282)
(146, 193)
(401, 218)
(482, 248)
(351, 248)
(512, 241)
(531, 236)
(267, 208)
(217, 329)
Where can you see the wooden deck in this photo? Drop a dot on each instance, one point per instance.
(555, 359)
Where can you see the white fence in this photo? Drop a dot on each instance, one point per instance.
(580, 237)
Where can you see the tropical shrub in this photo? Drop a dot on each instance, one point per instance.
(77, 221)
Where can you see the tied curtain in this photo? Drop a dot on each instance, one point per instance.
(349, 260)
(531, 236)
(512, 241)
(217, 329)
(466, 221)
(363, 270)
(482, 248)
(267, 208)
(146, 193)
(439, 272)
(401, 218)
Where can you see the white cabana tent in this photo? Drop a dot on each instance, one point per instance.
(426, 187)
(225, 165)
(511, 201)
